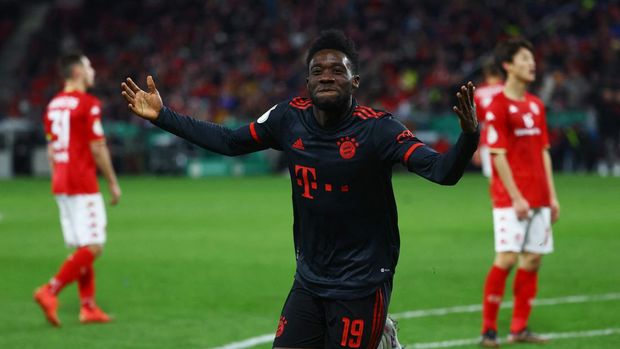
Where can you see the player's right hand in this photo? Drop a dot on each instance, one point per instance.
(145, 104)
(521, 207)
(115, 193)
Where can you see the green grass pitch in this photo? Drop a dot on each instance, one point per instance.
(202, 263)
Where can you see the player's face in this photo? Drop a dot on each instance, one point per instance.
(523, 66)
(331, 81)
(88, 72)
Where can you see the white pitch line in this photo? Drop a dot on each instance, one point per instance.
(557, 335)
(473, 308)
(266, 338)
(250, 342)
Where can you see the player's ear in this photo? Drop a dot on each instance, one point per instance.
(506, 66)
(355, 81)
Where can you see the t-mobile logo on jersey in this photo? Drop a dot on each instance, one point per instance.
(307, 178)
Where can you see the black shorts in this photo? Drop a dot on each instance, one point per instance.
(309, 321)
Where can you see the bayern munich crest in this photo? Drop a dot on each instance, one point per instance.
(348, 147)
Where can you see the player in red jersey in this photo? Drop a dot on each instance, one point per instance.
(76, 147)
(493, 84)
(522, 190)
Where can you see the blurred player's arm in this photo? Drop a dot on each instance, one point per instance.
(555, 204)
(148, 105)
(50, 157)
(519, 203)
(101, 154)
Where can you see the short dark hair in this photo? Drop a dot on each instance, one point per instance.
(505, 51)
(334, 39)
(490, 67)
(67, 61)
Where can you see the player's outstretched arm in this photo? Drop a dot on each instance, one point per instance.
(145, 104)
(466, 108)
(222, 140)
(448, 168)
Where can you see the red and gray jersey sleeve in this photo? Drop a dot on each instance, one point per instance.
(396, 143)
(497, 127)
(253, 137)
(544, 128)
(47, 127)
(93, 121)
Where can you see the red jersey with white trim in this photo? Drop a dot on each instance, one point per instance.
(519, 129)
(483, 96)
(72, 121)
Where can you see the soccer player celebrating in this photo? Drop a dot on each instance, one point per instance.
(522, 190)
(76, 146)
(493, 84)
(340, 156)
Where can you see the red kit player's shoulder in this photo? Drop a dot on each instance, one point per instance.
(498, 102)
(534, 98)
(89, 98)
(535, 103)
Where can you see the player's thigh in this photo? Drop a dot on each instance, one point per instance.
(357, 323)
(508, 230)
(89, 217)
(302, 322)
(66, 220)
(540, 235)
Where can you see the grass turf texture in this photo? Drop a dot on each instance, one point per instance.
(201, 263)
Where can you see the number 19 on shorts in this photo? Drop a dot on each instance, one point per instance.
(352, 333)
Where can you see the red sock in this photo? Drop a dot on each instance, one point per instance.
(71, 268)
(86, 285)
(493, 293)
(525, 287)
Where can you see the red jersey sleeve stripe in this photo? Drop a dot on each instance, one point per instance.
(253, 133)
(410, 151)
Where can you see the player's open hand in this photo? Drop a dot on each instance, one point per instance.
(521, 207)
(115, 193)
(145, 104)
(466, 109)
(555, 210)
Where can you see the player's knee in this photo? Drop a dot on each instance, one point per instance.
(96, 250)
(506, 260)
(531, 262)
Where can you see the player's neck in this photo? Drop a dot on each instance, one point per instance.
(515, 88)
(330, 118)
(72, 86)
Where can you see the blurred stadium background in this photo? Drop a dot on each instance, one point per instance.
(229, 61)
(202, 263)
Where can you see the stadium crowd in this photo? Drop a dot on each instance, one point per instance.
(218, 60)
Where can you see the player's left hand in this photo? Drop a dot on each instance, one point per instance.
(466, 109)
(555, 210)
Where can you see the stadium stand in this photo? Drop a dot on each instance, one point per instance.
(229, 61)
